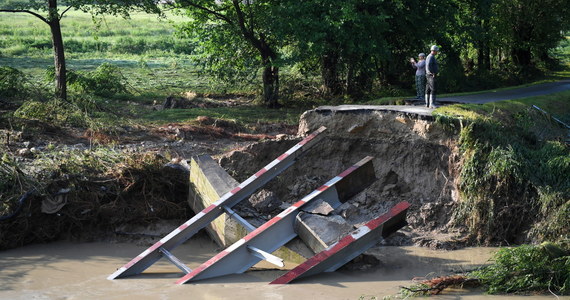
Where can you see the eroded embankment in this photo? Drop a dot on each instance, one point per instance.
(415, 160)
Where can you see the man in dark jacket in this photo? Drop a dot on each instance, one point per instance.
(431, 73)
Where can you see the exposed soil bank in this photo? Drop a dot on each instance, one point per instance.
(415, 160)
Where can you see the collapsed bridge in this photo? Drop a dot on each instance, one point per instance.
(262, 241)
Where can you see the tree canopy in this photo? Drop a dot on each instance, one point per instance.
(355, 43)
(353, 46)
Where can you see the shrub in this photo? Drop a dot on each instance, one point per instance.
(106, 81)
(13, 83)
(55, 112)
(527, 269)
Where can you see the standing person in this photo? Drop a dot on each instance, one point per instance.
(420, 67)
(431, 74)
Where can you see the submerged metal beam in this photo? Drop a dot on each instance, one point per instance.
(174, 260)
(266, 256)
(239, 219)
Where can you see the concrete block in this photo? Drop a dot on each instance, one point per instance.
(319, 232)
(208, 182)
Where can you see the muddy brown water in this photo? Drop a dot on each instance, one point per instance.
(65, 270)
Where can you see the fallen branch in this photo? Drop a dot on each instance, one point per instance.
(437, 285)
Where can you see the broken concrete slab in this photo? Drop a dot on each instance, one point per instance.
(318, 206)
(319, 232)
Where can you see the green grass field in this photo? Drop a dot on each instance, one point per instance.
(110, 37)
(155, 61)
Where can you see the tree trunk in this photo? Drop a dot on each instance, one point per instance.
(329, 72)
(268, 56)
(483, 57)
(59, 53)
(270, 73)
(270, 85)
(522, 56)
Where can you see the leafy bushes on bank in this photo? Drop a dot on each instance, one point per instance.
(527, 268)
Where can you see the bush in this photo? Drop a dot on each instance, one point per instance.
(54, 112)
(13, 83)
(106, 81)
(528, 269)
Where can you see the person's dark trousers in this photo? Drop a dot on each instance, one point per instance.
(430, 90)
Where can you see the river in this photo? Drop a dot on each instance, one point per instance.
(67, 270)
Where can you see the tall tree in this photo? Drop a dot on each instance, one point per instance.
(235, 37)
(344, 40)
(51, 12)
(528, 29)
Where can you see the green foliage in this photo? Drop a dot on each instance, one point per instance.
(13, 83)
(529, 27)
(528, 269)
(223, 49)
(55, 112)
(347, 39)
(110, 7)
(106, 80)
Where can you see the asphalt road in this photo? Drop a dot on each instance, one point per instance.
(531, 91)
(535, 90)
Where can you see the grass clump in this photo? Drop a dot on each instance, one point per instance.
(527, 268)
(55, 112)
